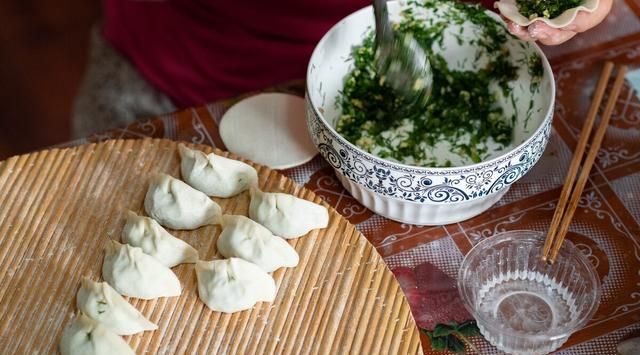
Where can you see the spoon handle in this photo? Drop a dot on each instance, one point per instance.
(383, 29)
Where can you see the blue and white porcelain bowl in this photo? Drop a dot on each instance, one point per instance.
(418, 195)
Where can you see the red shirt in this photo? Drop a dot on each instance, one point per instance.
(198, 51)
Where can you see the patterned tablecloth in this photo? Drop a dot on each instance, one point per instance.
(426, 259)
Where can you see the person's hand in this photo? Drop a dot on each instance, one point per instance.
(547, 35)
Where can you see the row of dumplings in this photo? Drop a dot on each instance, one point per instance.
(140, 268)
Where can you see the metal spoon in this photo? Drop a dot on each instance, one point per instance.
(401, 62)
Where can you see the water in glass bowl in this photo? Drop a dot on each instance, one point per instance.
(522, 304)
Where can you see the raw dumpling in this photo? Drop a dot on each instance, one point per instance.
(286, 215)
(133, 273)
(233, 285)
(243, 238)
(84, 336)
(215, 175)
(102, 303)
(177, 205)
(146, 233)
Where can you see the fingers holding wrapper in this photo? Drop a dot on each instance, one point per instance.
(518, 31)
(549, 28)
(548, 35)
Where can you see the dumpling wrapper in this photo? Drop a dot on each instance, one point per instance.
(85, 336)
(176, 205)
(630, 346)
(233, 284)
(102, 303)
(133, 273)
(215, 175)
(268, 129)
(243, 238)
(147, 234)
(285, 215)
(509, 9)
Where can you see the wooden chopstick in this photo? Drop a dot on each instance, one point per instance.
(577, 158)
(571, 194)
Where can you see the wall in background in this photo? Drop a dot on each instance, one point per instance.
(43, 49)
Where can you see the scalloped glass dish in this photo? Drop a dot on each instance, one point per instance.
(509, 9)
(523, 305)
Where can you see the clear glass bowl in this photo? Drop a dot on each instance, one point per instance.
(522, 304)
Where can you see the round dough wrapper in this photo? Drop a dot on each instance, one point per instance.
(509, 10)
(269, 129)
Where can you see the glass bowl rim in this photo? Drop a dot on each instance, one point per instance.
(535, 236)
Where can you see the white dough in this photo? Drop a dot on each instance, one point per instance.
(269, 129)
(84, 336)
(509, 10)
(146, 233)
(215, 175)
(133, 273)
(233, 285)
(243, 238)
(286, 215)
(629, 347)
(177, 205)
(102, 303)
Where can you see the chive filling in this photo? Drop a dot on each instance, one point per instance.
(545, 8)
(463, 115)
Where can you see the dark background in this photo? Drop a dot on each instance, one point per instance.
(43, 49)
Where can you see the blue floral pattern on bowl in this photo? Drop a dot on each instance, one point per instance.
(430, 185)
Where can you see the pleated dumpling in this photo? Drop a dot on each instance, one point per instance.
(286, 215)
(215, 175)
(177, 205)
(243, 238)
(147, 234)
(102, 303)
(85, 336)
(233, 284)
(133, 273)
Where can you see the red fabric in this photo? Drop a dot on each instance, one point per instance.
(198, 51)
(432, 295)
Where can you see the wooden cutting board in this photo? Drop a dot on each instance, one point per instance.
(59, 207)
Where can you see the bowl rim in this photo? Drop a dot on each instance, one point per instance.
(548, 115)
(535, 236)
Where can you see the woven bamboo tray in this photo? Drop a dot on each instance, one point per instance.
(59, 207)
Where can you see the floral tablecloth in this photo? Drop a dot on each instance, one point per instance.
(426, 259)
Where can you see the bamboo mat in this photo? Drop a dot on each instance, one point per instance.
(59, 207)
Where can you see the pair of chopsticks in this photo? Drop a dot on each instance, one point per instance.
(570, 195)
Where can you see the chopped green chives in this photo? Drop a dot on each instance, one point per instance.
(463, 109)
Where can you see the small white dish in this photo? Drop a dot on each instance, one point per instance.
(269, 129)
(509, 9)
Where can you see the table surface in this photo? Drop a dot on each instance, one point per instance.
(426, 259)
